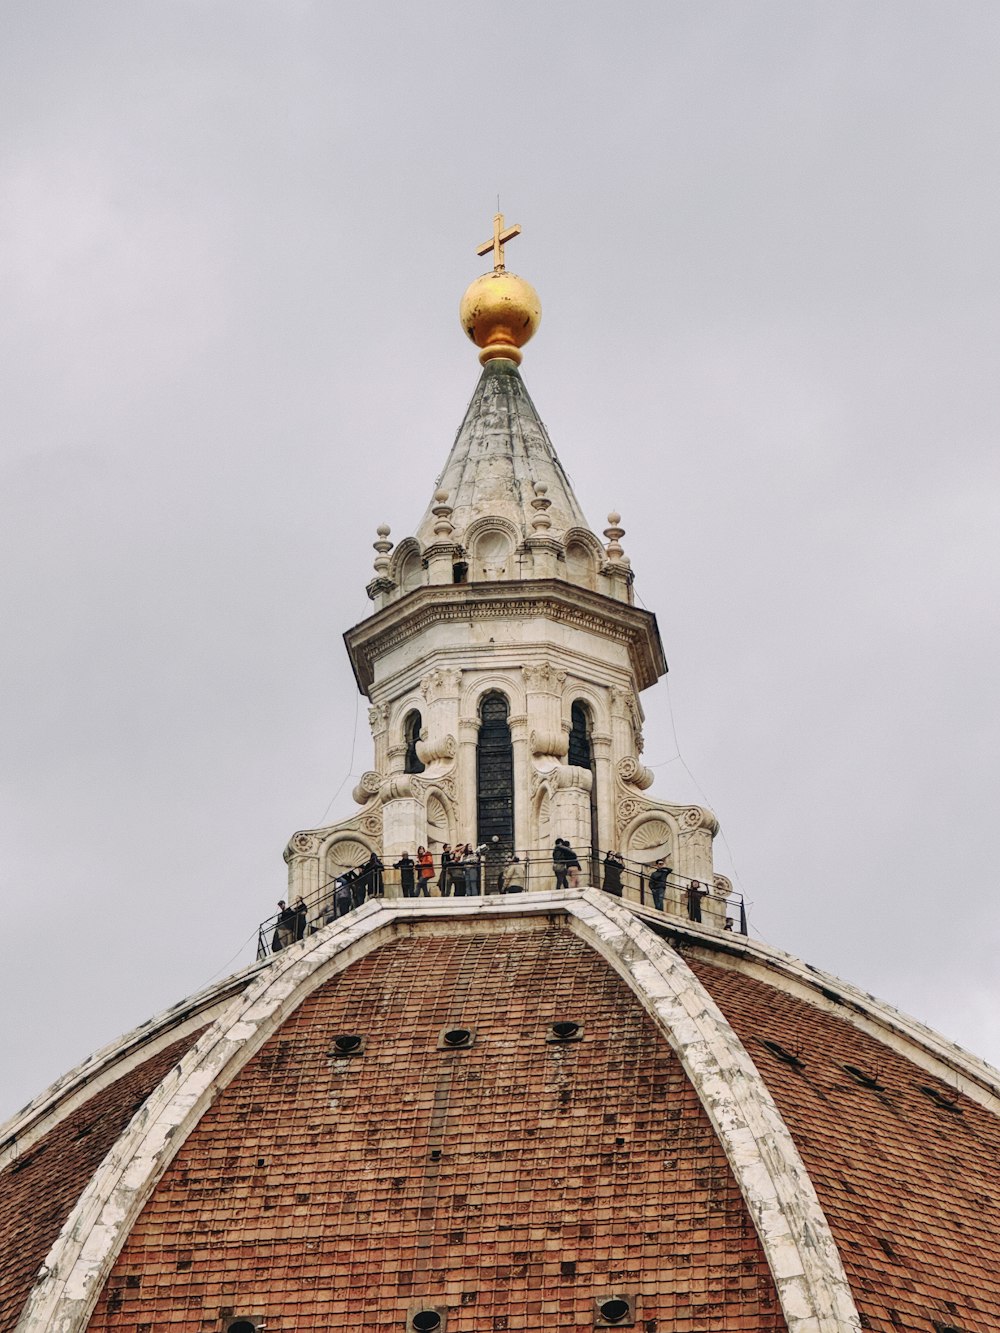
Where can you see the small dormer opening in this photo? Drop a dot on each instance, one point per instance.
(412, 727)
(460, 572)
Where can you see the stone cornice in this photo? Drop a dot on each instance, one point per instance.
(510, 599)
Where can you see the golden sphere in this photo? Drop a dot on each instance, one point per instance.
(500, 312)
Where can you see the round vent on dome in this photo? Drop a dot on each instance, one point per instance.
(456, 1039)
(565, 1031)
(348, 1043)
(614, 1312)
(426, 1320)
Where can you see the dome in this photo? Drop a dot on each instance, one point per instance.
(560, 1111)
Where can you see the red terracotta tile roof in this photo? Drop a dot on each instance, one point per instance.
(39, 1189)
(906, 1171)
(513, 1182)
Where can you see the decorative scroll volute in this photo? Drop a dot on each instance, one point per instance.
(367, 787)
(635, 774)
(442, 747)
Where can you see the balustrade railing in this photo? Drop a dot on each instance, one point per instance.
(680, 896)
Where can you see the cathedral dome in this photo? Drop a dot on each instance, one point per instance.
(555, 1112)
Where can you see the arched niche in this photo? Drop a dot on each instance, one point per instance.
(583, 557)
(407, 566)
(491, 544)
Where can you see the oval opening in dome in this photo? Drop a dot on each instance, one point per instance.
(614, 1311)
(241, 1326)
(457, 1037)
(565, 1030)
(425, 1321)
(347, 1044)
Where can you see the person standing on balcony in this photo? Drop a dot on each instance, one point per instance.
(406, 867)
(559, 859)
(658, 882)
(614, 864)
(695, 895)
(425, 872)
(444, 879)
(470, 863)
(284, 931)
(573, 867)
(301, 914)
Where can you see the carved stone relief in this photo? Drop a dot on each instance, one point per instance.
(378, 718)
(441, 683)
(544, 677)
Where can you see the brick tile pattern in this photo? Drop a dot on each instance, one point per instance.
(510, 1183)
(39, 1189)
(908, 1178)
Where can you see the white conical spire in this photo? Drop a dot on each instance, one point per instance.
(502, 452)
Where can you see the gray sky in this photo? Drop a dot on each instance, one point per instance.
(233, 238)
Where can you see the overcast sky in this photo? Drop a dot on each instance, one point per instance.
(233, 238)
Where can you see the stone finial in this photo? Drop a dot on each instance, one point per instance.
(442, 511)
(383, 547)
(614, 533)
(541, 505)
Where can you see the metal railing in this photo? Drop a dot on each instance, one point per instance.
(632, 881)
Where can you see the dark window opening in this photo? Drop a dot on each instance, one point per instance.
(581, 755)
(494, 786)
(460, 572)
(412, 727)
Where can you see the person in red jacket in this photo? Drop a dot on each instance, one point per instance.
(425, 872)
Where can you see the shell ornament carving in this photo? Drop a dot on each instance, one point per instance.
(653, 833)
(345, 855)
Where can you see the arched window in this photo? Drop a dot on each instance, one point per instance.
(494, 782)
(581, 755)
(579, 736)
(412, 726)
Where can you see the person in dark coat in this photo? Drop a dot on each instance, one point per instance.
(695, 895)
(560, 856)
(371, 878)
(407, 869)
(658, 883)
(284, 930)
(614, 864)
(359, 884)
(444, 879)
(301, 914)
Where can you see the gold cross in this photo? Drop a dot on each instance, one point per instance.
(500, 238)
